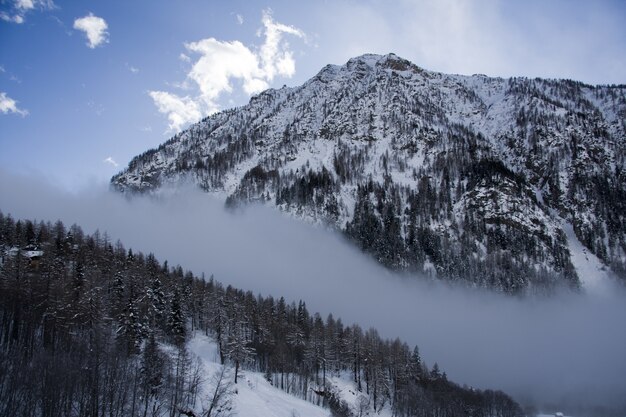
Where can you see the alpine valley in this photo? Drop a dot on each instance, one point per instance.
(489, 182)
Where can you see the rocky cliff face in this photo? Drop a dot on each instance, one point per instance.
(466, 178)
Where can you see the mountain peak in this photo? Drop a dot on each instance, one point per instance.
(376, 59)
(369, 59)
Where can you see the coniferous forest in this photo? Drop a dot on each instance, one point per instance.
(91, 328)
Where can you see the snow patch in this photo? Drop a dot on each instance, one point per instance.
(594, 275)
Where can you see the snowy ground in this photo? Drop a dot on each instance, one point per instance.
(254, 395)
(359, 402)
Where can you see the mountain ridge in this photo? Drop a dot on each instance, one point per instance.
(467, 178)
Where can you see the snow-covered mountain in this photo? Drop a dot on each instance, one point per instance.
(466, 178)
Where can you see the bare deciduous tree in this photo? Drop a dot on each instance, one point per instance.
(220, 403)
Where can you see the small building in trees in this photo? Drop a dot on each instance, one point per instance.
(33, 255)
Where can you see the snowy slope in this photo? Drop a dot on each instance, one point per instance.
(254, 395)
(594, 275)
(359, 402)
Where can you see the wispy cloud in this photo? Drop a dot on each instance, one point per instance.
(95, 29)
(8, 18)
(8, 106)
(132, 68)
(19, 8)
(239, 18)
(9, 75)
(109, 160)
(96, 107)
(219, 63)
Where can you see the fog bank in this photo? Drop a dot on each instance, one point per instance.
(569, 349)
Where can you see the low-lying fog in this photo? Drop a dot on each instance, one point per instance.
(570, 349)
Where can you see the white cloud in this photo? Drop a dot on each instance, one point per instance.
(21, 7)
(95, 29)
(219, 63)
(8, 105)
(239, 19)
(109, 160)
(180, 110)
(24, 4)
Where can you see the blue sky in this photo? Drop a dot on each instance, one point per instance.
(86, 85)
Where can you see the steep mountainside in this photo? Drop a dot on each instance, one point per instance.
(465, 178)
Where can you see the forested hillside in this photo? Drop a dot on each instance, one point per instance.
(470, 179)
(90, 328)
